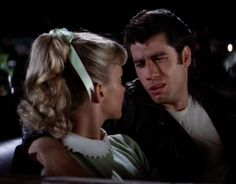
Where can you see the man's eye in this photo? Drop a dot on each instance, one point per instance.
(160, 59)
(140, 64)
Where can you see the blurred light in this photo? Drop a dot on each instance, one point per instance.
(12, 90)
(12, 63)
(230, 47)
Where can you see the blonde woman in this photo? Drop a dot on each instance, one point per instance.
(73, 84)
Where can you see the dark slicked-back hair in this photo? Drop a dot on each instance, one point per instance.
(146, 24)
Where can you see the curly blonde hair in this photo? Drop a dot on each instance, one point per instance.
(53, 89)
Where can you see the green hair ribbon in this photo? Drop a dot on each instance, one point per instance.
(75, 59)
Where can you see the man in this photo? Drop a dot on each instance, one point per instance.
(185, 129)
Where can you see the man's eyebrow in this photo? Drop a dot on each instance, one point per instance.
(158, 54)
(138, 60)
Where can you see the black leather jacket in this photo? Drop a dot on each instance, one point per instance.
(166, 144)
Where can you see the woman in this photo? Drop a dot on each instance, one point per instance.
(73, 85)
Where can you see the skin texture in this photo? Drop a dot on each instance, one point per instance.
(114, 94)
(160, 71)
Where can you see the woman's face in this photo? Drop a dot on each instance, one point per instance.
(113, 93)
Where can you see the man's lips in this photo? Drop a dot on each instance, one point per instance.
(156, 89)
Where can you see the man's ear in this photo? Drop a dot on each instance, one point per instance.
(98, 94)
(186, 56)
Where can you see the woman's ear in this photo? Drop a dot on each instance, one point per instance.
(98, 94)
(186, 56)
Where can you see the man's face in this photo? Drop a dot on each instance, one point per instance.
(159, 70)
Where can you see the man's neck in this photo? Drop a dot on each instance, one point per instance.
(179, 105)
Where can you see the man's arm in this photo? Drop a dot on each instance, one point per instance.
(55, 159)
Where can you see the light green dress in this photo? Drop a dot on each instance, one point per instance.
(117, 157)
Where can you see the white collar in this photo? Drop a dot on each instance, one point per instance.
(87, 147)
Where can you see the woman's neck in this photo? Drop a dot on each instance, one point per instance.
(87, 121)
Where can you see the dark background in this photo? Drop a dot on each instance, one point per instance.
(24, 18)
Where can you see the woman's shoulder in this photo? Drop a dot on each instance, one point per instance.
(123, 141)
(120, 138)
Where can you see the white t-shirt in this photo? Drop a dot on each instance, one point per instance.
(199, 126)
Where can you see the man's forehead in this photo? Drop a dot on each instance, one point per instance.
(141, 51)
(138, 50)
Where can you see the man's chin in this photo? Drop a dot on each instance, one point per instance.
(158, 99)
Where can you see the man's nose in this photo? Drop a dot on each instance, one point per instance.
(152, 70)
